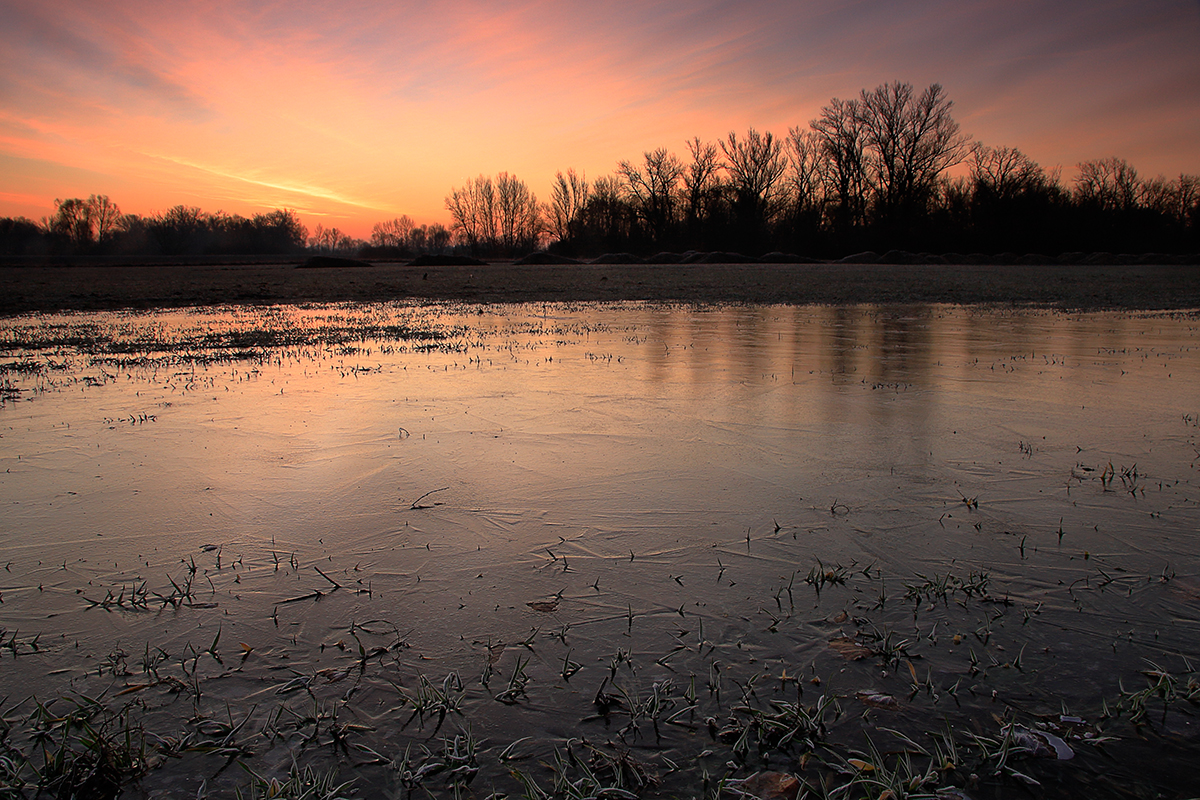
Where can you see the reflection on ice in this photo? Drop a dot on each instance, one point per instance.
(605, 474)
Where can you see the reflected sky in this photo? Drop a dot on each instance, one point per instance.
(686, 467)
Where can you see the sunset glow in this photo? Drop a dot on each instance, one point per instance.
(371, 110)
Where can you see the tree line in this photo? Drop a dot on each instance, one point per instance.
(874, 172)
(889, 169)
(97, 226)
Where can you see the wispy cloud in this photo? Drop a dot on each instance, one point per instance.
(308, 191)
(373, 105)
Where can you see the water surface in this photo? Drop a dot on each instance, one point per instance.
(640, 489)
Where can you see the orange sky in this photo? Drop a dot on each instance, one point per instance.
(359, 113)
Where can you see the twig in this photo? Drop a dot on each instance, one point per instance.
(313, 595)
(422, 497)
(336, 585)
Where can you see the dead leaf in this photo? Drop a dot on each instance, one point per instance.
(544, 606)
(848, 649)
(331, 674)
(768, 786)
(870, 697)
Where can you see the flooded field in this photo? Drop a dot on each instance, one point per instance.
(600, 551)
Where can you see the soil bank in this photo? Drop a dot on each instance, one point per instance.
(25, 289)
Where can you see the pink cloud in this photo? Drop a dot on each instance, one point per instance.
(372, 109)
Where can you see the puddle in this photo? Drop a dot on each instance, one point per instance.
(637, 525)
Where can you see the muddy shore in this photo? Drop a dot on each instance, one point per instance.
(25, 289)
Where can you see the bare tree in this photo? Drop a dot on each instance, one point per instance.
(654, 189)
(1110, 184)
(106, 217)
(568, 197)
(85, 222)
(438, 237)
(330, 240)
(501, 214)
(1184, 198)
(701, 184)
(607, 219)
(841, 142)
(278, 231)
(179, 229)
(1004, 172)
(473, 213)
(519, 220)
(910, 140)
(804, 180)
(418, 238)
(755, 166)
(393, 232)
(73, 220)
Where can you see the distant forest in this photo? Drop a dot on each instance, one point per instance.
(870, 173)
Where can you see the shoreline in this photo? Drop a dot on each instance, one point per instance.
(1144, 287)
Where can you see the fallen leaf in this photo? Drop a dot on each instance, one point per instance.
(768, 786)
(875, 699)
(848, 649)
(1041, 744)
(544, 606)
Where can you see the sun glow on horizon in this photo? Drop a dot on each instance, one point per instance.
(377, 110)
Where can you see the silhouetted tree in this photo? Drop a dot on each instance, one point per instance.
(279, 231)
(178, 230)
(653, 190)
(1011, 202)
(1110, 184)
(1004, 173)
(608, 221)
(438, 237)
(393, 233)
(473, 213)
(702, 187)
(568, 198)
(331, 240)
(804, 188)
(909, 141)
(501, 216)
(755, 166)
(519, 217)
(21, 236)
(841, 142)
(85, 222)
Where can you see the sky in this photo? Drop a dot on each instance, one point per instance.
(360, 111)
